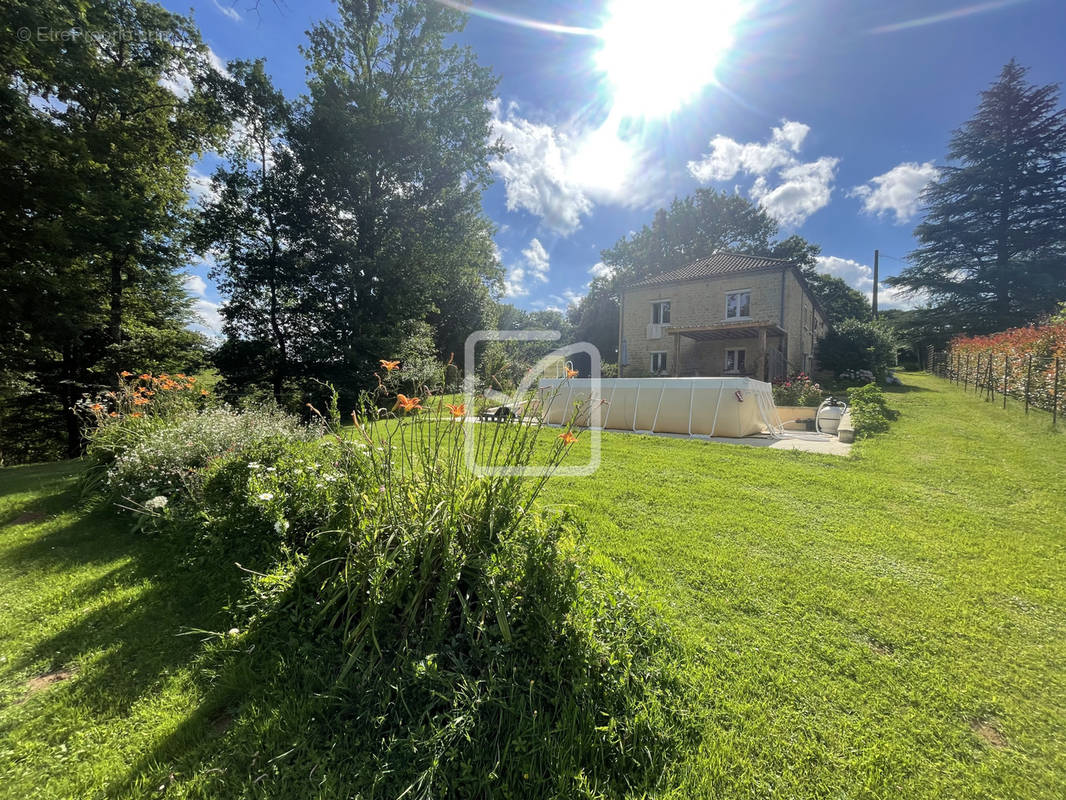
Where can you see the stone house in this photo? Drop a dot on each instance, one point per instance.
(727, 314)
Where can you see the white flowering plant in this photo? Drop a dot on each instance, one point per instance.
(167, 457)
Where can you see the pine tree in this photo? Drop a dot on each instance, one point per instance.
(992, 250)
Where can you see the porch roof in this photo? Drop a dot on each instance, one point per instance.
(727, 330)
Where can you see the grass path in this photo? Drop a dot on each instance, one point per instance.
(888, 625)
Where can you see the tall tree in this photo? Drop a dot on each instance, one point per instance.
(253, 225)
(99, 129)
(691, 228)
(992, 247)
(393, 146)
(839, 301)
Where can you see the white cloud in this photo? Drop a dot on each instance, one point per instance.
(180, 83)
(195, 285)
(799, 189)
(534, 172)
(896, 191)
(805, 188)
(601, 270)
(861, 277)
(569, 297)
(728, 156)
(200, 187)
(534, 266)
(559, 173)
(209, 315)
(227, 10)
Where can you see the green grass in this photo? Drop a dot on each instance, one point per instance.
(887, 625)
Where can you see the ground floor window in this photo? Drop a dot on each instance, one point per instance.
(658, 362)
(736, 360)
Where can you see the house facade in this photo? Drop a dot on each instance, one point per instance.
(727, 314)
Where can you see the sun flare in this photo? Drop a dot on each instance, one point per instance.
(658, 55)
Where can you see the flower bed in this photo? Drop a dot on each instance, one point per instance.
(797, 390)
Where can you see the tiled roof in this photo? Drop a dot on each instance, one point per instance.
(722, 263)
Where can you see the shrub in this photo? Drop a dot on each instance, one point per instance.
(427, 632)
(869, 411)
(797, 390)
(855, 345)
(1023, 361)
(269, 498)
(144, 458)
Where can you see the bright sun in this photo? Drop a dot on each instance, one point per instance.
(657, 54)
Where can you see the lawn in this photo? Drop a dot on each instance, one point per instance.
(888, 625)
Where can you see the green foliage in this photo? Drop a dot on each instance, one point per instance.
(869, 410)
(693, 227)
(916, 329)
(797, 390)
(350, 212)
(838, 300)
(469, 646)
(991, 245)
(99, 133)
(855, 345)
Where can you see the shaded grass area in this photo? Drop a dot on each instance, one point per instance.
(888, 625)
(93, 665)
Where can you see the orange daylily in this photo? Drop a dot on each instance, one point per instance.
(136, 414)
(141, 401)
(203, 393)
(126, 373)
(408, 403)
(457, 411)
(568, 438)
(389, 365)
(147, 376)
(96, 407)
(113, 414)
(571, 373)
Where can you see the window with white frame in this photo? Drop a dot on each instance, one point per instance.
(660, 312)
(738, 304)
(736, 360)
(658, 361)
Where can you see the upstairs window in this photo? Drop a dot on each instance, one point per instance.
(660, 312)
(738, 305)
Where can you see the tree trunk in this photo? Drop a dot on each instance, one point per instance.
(115, 326)
(68, 395)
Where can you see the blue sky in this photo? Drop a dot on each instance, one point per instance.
(832, 114)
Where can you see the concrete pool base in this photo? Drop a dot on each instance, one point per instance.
(789, 440)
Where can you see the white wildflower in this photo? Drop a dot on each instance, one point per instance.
(157, 503)
(266, 496)
(281, 526)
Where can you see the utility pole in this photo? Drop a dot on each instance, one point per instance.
(877, 255)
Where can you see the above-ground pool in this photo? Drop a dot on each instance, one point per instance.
(731, 407)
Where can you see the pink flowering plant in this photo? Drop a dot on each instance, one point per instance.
(797, 390)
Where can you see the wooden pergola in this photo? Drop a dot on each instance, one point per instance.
(745, 329)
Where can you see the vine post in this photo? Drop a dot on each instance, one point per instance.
(1028, 377)
(1005, 368)
(1055, 395)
